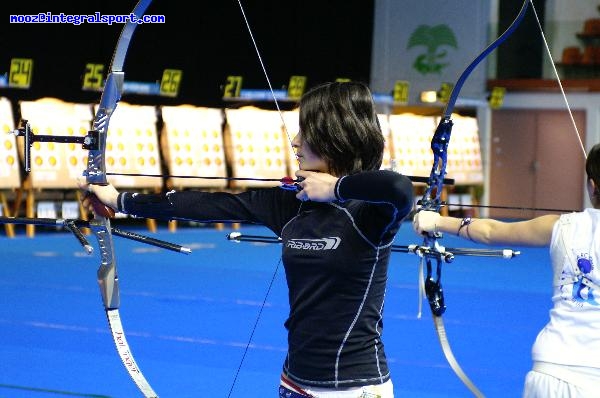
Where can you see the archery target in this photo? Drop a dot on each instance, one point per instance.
(192, 145)
(132, 146)
(386, 163)
(257, 145)
(9, 161)
(464, 151)
(290, 128)
(56, 165)
(410, 138)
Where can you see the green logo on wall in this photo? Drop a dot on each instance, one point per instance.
(433, 38)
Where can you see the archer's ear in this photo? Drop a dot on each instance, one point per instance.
(593, 187)
(593, 191)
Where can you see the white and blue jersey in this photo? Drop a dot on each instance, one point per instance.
(572, 336)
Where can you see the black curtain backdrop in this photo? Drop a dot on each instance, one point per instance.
(321, 39)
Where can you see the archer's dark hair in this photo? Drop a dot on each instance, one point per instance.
(339, 122)
(592, 164)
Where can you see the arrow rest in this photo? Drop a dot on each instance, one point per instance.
(289, 184)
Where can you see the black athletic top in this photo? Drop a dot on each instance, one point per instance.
(335, 256)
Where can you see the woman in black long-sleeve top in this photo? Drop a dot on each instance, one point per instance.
(336, 231)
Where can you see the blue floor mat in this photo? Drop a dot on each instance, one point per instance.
(188, 318)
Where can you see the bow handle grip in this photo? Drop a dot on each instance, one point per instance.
(99, 208)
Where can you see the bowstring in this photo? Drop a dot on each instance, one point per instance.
(264, 70)
(562, 91)
(284, 124)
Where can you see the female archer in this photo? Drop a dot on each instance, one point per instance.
(337, 232)
(566, 352)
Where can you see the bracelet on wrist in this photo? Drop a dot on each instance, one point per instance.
(463, 223)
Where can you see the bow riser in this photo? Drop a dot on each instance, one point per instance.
(431, 200)
(96, 174)
(96, 167)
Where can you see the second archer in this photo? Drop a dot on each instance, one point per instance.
(566, 352)
(337, 232)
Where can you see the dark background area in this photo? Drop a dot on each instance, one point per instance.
(322, 40)
(520, 56)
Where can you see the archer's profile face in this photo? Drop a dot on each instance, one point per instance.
(307, 159)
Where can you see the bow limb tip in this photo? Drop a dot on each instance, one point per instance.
(234, 236)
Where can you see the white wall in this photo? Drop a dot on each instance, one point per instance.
(564, 19)
(396, 20)
(475, 26)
